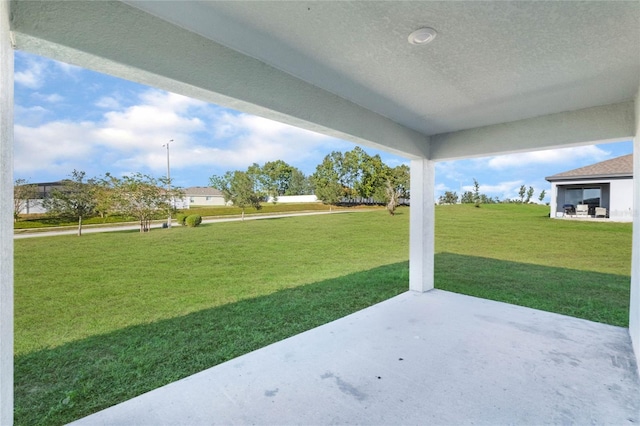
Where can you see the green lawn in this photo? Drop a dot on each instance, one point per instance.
(41, 221)
(105, 317)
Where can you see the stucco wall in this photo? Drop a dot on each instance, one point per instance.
(621, 200)
(201, 200)
(619, 205)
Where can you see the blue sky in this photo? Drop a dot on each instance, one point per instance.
(70, 118)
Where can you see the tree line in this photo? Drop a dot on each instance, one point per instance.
(478, 198)
(138, 196)
(349, 177)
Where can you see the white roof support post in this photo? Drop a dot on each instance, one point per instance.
(634, 303)
(422, 225)
(6, 218)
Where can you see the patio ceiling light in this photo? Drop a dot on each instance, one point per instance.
(422, 36)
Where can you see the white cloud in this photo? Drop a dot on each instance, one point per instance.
(58, 146)
(52, 98)
(564, 156)
(133, 138)
(108, 102)
(33, 76)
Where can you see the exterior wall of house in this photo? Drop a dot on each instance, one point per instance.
(202, 200)
(621, 200)
(616, 196)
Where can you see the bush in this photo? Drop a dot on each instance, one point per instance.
(180, 218)
(193, 220)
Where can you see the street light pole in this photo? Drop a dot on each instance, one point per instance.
(169, 184)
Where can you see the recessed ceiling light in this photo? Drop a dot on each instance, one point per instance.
(422, 36)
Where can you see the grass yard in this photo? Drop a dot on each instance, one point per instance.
(42, 221)
(105, 317)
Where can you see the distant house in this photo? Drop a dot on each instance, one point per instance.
(203, 196)
(605, 187)
(44, 190)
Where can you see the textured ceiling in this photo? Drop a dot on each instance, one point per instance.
(491, 62)
(500, 77)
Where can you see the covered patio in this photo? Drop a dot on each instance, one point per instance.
(419, 358)
(476, 79)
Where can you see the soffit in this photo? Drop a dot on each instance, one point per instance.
(491, 62)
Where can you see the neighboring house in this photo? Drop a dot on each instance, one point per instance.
(44, 191)
(203, 196)
(608, 184)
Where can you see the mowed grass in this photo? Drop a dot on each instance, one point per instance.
(42, 221)
(516, 254)
(105, 317)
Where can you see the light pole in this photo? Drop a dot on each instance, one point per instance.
(169, 183)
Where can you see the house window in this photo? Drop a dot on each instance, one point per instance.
(589, 196)
(208, 198)
(191, 200)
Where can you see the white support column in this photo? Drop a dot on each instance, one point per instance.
(6, 218)
(634, 302)
(422, 225)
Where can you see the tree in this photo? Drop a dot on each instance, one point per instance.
(467, 197)
(106, 196)
(396, 185)
(143, 197)
(522, 192)
(542, 195)
(373, 175)
(476, 193)
(448, 197)
(24, 194)
(530, 193)
(276, 176)
(239, 188)
(299, 184)
(76, 198)
(326, 180)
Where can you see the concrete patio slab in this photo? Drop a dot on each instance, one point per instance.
(419, 358)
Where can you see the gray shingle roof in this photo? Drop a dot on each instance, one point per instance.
(616, 167)
(200, 191)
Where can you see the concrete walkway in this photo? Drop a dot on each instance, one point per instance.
(432, 358)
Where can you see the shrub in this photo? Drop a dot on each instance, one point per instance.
(180, 218)
(193, 220)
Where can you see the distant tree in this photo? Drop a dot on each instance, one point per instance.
(277, 177)
(476, 193)
(105, 194)
(542, 195)
(299, 183)
(530, 193)
(326, 180)
(374, 175)
(396, 186)
(448, 197)
(467, 197)
(239, 188)
(522, 193)
(76, 198)
(24, 194)
(143, 197)
(351, 171)
(485, 199)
